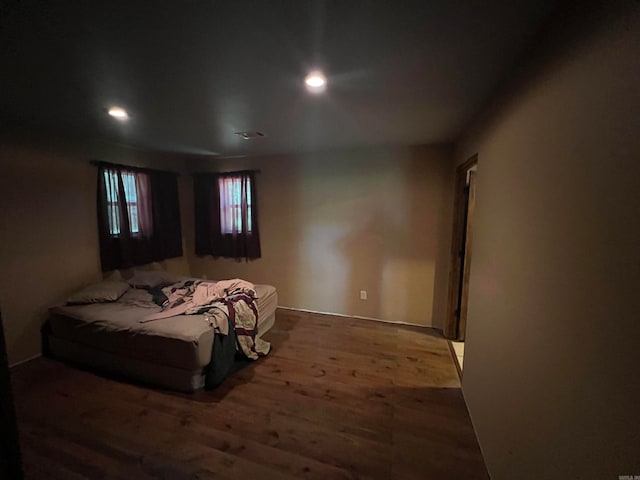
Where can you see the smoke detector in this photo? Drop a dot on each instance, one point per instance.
(251, 135)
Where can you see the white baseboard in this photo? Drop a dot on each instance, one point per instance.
(359, 317)
(25, 360)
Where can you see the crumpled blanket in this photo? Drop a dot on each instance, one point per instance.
(207, 292)
(196, 297)
(190, 296)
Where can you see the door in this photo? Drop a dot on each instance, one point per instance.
(463, 295)
(461, 249)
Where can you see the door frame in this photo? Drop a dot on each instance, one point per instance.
(10, 459)
(457, 254)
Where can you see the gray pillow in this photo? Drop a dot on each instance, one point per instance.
(107, 291)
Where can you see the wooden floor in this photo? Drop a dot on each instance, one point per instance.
(337, 398)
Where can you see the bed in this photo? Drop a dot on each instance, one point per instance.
(170, 352)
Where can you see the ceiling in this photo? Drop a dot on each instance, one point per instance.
(192, 73)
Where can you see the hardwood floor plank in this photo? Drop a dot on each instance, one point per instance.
(336, 399)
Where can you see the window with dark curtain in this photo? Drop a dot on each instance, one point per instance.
(226, 215)
(138, 216)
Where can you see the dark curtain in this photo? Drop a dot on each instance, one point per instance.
(210, 237)
(155, 233)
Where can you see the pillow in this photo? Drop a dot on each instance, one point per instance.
(151, 278)
(107, 291)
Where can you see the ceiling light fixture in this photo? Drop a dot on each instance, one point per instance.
(119, 113)
(316, 82)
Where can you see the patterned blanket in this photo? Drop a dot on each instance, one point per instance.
(243, 315)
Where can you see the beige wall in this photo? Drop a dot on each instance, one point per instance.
(48, 228)
(551, 361)
(335, 223)
(332, 224)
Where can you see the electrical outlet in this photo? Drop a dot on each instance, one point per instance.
(363, 294)
(204, 276)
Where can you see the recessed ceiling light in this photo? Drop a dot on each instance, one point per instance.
(316, 82)
(119, 113)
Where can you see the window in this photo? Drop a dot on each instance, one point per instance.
(232, 191)
(138, 216)
(131, 201)
(226, 215)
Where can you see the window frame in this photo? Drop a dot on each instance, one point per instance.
(131, 204)
(230, 198)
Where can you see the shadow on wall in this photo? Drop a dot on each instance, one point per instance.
(400, 247)
(363, 249)
(397, 244)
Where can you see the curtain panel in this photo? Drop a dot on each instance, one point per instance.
(138, 216)
(226, 215)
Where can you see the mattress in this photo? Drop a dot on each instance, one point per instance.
(111, 335)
